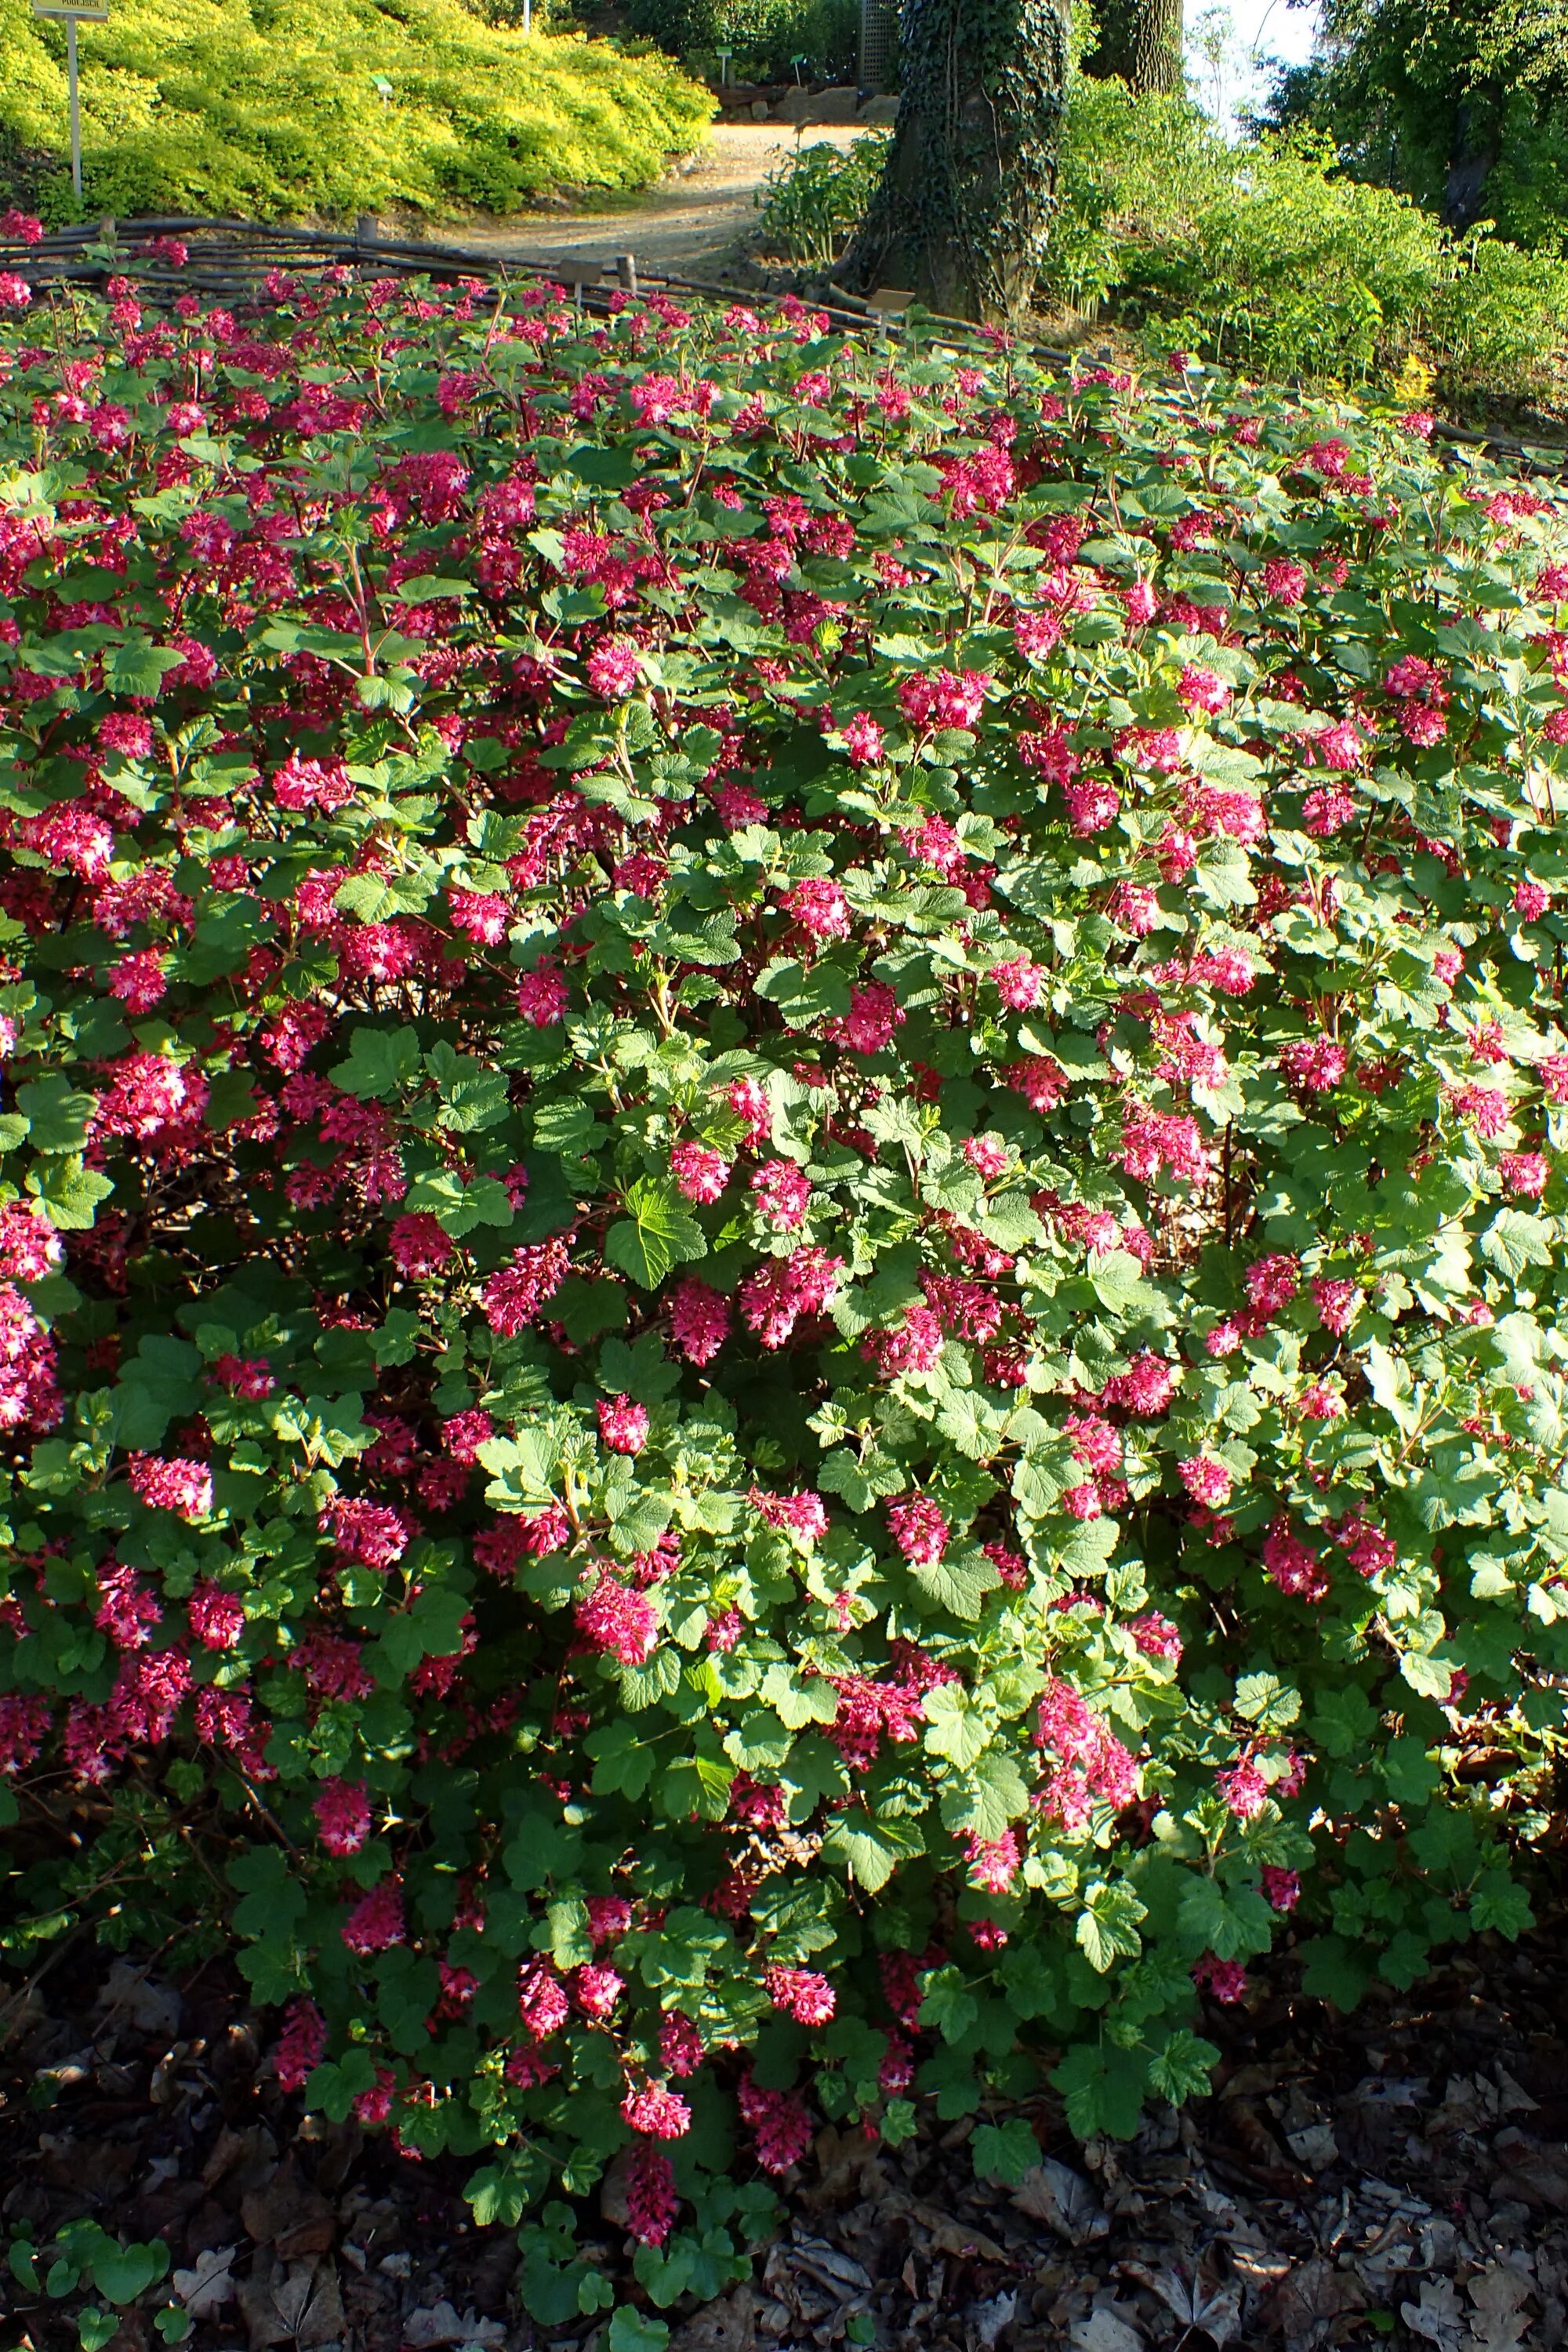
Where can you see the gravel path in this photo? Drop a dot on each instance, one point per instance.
(692, 217)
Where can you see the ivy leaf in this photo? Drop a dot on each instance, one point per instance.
(659, 1232)
(1106, 1928)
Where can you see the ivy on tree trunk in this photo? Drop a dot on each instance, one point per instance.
(1140, 43)
(962, 215)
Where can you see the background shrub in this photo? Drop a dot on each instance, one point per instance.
(782, 1237)
(809, 205)
(268, 109)
(765, 37)
(1260, 254)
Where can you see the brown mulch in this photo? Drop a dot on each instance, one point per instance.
(1398, 2177)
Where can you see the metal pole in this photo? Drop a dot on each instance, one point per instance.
(75, 105)
(528, 15)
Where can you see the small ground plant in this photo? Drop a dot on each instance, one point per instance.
(783, 1196)
(812, 202)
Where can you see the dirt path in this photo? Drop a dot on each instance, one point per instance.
(690, 218)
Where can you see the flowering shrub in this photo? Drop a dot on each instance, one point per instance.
(783, 1175)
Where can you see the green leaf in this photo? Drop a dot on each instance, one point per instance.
(380, 1062)
(957, 1583)
(861, 1480)
(956, 1727)
(1180, 2069)
(69, 1192)
(660, 1232)
(473, 1093)
(1515, 1240)
(1229, 1922)
(623, 1764)
(273, 1900)
(138, 667)
(870, 1850)
(1106, 1928)
(59, 1116)
(122, 2273)
(1333, 1971)
(1403, 1959)
(1342, 1721)
(549, 2290)
(1265, 1700)
(630, 2331)
(992, 1795)
(1005, 2152)
(429, 588)
(947, 2005)
(806, 993)
(502, 2193)
(615, 468)
(1499, 1901)
(1103, 2088)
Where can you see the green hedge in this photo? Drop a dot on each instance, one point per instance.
(269, 108)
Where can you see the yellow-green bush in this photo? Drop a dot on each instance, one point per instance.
(270, 109)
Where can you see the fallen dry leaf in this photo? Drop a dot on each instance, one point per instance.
(1498, 2293)
(129, 1991)
(289, 2215)
(1305, 2305)
(1437, 2316)
(290, 2302)
(946, 2235)
(1062, 2198)
(728, 2326)
(1314, 2146)
(439, 2324)
(1103, 2331)
(1218, 2311)
(209, 2284)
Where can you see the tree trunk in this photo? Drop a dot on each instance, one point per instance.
(1141, 44)
(960, 217)
(1474, 153)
